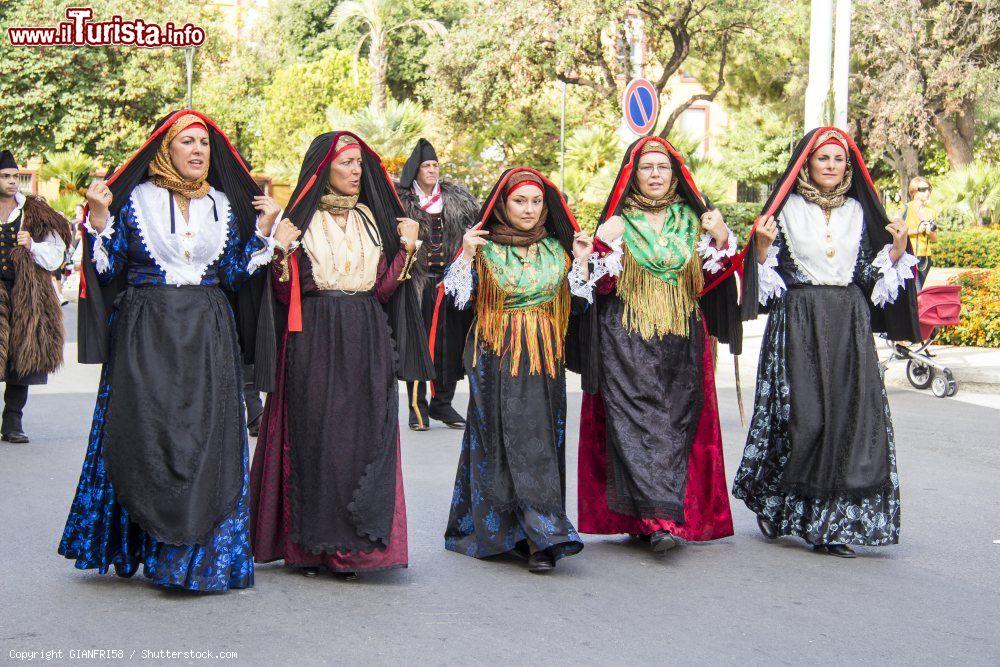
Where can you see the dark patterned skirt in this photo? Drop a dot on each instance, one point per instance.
(868, 518)
(510, 488)
(326, 478)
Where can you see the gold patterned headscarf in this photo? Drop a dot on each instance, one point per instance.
(807, 188)
(165, 174)
(333, 202)
(636, 200)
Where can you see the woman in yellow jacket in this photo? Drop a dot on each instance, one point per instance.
(920, 221)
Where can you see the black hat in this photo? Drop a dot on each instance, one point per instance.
(7, 160)
(422, 152)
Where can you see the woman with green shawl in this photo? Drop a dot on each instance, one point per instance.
(523, 269)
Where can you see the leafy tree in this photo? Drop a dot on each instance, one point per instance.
(757, 143)
(925, 70)
(295, 105)
(99, 100)
(500, 50)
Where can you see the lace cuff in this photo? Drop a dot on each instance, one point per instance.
(714, 256)
(578, 285)
(894, 276)
(608, 265)
(458, 282)
(101, 261)
(264, 255)
(769, 282)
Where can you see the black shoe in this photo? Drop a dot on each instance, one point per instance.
(253, 428)
(838, 550)
(345, 576)
(540, 563)
(310, 572)
(18, 437)
(661, 540)
(449, 416)
(768, 529)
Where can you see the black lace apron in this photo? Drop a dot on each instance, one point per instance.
(653, 393)
(342, 424)
(518, 419)
(173, 438)
(837, 427)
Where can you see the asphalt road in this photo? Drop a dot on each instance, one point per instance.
(934, 598)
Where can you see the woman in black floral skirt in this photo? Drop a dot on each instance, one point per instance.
(820, 461)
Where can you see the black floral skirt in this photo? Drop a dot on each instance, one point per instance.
(868, 518)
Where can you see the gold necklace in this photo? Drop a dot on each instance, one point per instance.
(350, 248)
(831, 249)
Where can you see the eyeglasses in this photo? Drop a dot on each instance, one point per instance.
(923, 188)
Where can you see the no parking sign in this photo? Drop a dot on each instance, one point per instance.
(640, 105)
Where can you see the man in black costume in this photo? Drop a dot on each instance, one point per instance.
(445, 210)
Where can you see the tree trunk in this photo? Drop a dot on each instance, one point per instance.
(905, 160)
(958, 133)
(378, 60)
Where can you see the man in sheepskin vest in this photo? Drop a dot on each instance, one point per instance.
(33, 240)
(445, 210)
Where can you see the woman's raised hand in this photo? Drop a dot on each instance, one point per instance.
(583, 246)
(767, 231)
(471, 242)
(268, 210)
(285, 233)
(613, 228)
(99, 200)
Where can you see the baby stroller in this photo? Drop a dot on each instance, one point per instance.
(937, 307)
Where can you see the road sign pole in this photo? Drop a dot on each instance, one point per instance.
(841, 63)
(820, 56)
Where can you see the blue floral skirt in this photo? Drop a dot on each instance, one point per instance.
(501, 469)
(100, 534)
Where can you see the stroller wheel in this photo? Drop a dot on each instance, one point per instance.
(919, 374)
(939, 386)
(952, 384)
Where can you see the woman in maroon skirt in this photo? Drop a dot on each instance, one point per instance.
(327, 488)
(650, 461)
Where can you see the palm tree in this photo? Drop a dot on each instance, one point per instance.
(973, 190)
(72, 170)
(391, 131)
(380, 19)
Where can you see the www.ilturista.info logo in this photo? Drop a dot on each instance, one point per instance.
(80, 30)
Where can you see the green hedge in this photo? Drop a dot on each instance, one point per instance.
(740, 218)
(977, 247)
(980, 322)
(586, 215)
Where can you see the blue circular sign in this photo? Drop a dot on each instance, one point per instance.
(640, 105)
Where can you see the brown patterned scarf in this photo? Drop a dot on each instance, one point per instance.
(165, 174)
(504, 233)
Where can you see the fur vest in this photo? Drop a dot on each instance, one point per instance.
(459, 213)
(31, 322)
